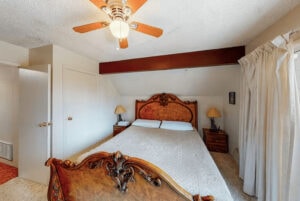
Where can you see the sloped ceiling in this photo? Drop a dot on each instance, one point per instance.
(207, 81)
(189, 25)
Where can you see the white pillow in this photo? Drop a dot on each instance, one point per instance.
(177, 125)
(146, 123)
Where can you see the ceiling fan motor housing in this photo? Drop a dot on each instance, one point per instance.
(117, 10)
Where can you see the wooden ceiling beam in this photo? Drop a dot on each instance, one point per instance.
(206, 58)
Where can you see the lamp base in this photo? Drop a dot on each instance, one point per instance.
(213, 127)
(120, 117)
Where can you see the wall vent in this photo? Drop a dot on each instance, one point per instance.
(6, 150)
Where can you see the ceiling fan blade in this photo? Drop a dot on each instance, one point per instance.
(89, 27)
(135, 4)
(146, 29)
(123, 43)
(98, 3)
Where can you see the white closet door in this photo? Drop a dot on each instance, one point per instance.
(80, 103)
(34, 119)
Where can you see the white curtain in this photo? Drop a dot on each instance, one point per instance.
(269, 122)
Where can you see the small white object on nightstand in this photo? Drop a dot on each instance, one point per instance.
(123, 123)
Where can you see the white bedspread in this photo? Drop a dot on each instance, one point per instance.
(182, 154)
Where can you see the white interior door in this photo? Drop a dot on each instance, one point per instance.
(34, 121)
(81, 117)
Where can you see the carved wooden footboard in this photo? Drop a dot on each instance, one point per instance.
(104, 176)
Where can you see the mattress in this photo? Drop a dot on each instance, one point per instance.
(181, 154)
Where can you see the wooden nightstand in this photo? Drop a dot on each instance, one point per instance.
(215, 141)
(119, 129)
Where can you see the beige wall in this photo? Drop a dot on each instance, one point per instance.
(41, 55)
(231, 113)
(9, 101)
(288, 23)
(13, 55)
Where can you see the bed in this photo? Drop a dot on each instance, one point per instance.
(154, 163)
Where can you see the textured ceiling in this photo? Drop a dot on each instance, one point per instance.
(189, 25)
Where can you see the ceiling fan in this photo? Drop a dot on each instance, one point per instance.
(119, 11)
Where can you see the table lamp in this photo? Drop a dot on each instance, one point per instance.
(120, 110)
(213, 113)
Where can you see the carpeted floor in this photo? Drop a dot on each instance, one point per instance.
(19, 189)
(7, 172)
(230, 172)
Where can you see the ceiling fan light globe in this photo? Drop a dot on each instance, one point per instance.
(119, 28)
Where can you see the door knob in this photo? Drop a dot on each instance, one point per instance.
(43, 124)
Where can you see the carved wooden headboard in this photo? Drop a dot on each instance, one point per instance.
(167, 107)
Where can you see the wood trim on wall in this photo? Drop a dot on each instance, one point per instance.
(206, 58)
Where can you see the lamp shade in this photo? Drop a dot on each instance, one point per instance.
(119, 28)
(213, 112)
(120, 109)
